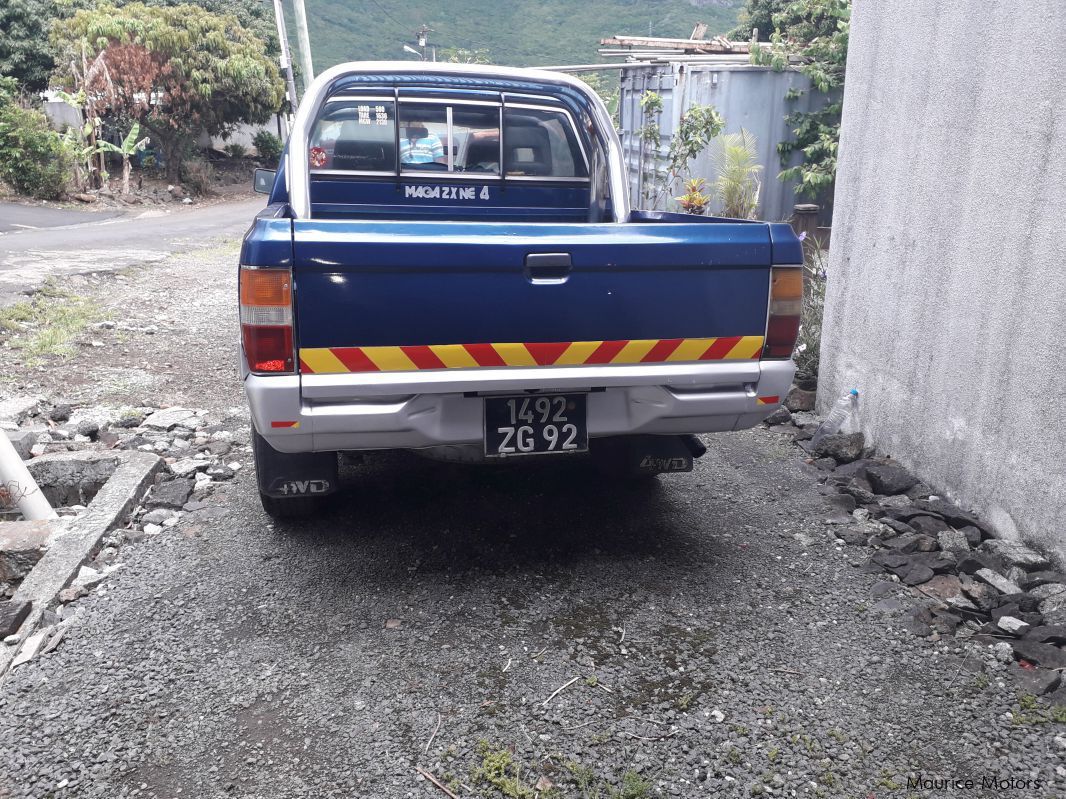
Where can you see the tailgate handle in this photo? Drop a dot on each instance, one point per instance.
(548, 268)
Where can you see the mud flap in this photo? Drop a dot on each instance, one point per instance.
(286, 475)
(637, 456)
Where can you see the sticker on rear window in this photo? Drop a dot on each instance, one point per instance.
(447, 192)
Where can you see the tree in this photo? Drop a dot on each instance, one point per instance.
(129, 146)
(757, 14)
(815, 33)
(23, 31)
(176, 70)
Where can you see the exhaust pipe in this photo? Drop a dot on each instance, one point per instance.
(696, 447)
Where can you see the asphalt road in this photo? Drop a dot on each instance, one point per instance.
(18, 217)
(99, 243)
(501, 629)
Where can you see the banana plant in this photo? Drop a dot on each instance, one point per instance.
(130, 145)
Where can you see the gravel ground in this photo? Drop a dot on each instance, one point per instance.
(722, 642)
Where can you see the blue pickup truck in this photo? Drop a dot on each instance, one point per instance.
(449, 263)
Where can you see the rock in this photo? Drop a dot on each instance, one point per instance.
(945, 623)
(219, 448)
(1016, 574)
(1047, 655)
(825, 464)
(844, 502)
(1012, 625)
(73, 593)
(15, 409)
(951, 540)
(1047, 590)
(12, 614)
(890, 479)
(157, 516)
(930, 525)
(1038, 578)
(917, 574)
(900, 527)
(997, 581)
(168, 418)
(24, 439)
(780, 416)
(153, 529)
(895, 501)
(982, 595)
(22, 545)
(1004, 652)
(842, 447)
(800, 400)
(971, 563)
(973, 535)
(1035, 681)
(1053, 609)
(1013, 553)
(861, 490)
(1048, 634)
(82, 197)
(888, 606)
(943, 587)
(220, 472)
(30, 648)
(88, 428)
(60, 413)
(911, 543)
(130, 418)
(948, 512)
(188, 466)
(171, 494)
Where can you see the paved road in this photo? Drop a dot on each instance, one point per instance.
(18, 217)
(29, 257)
(712, 637)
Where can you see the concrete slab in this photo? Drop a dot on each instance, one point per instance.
(108, 510)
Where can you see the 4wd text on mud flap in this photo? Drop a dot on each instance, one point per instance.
(304, 487)
(665, 464)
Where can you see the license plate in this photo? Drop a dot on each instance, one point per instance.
(536, 424)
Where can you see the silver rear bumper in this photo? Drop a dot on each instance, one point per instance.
(414, 410)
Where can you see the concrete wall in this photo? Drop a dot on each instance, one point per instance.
(946, 305)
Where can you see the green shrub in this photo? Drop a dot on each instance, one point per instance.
(199, 176)
(268, 145)
(33, 159)
(236, 150)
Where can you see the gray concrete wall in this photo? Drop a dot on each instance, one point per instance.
(946, 300)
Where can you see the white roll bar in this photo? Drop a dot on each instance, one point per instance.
(298, 171)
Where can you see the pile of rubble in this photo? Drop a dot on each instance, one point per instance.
(66, 450)
(968, 583)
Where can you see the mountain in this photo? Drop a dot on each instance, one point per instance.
(515, 32)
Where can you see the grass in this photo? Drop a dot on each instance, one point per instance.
(592, 786)
(48, 324)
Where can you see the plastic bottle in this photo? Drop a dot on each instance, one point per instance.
(844, 410)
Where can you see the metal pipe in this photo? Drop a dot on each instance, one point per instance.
(20, 485)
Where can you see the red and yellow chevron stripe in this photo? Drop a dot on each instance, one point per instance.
(335, 360)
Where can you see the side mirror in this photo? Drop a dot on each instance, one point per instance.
(263, 182)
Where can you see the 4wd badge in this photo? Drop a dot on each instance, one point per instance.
(295, 488)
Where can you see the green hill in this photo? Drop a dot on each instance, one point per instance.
(517, 32)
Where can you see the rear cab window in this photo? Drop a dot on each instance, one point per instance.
(360, 144)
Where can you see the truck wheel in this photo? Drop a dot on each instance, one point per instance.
(278, 473)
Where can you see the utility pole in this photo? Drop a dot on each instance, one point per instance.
(304, 42)
(422, 35)
(286, 59)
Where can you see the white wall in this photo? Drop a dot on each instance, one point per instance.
(947, 289)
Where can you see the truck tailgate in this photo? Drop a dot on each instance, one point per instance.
(402, 296)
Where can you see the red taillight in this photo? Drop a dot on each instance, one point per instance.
(786, 303)
(266, 319)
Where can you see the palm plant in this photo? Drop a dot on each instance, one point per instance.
(738, 184)
(130, 145)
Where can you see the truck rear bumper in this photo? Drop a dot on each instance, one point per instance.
(321, 413)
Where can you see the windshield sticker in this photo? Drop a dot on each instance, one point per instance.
(447, 192)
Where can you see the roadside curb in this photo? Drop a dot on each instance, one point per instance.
(109, 509)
